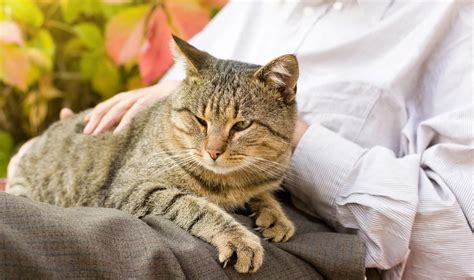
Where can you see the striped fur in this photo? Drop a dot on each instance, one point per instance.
(160, 166)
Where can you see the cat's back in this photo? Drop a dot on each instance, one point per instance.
(66, 167)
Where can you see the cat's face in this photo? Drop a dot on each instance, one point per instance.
(230, 115)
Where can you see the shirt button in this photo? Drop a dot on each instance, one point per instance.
(338, 6)
(308, 11)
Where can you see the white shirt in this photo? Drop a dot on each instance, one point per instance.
(387, 87)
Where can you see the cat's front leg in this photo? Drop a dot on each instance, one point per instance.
(202, 219)
(270, 218)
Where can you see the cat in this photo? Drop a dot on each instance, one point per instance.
(219, 142)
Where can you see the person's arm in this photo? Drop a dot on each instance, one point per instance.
(377, 193)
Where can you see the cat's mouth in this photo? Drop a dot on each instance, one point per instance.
(221, 165)
(219, 169)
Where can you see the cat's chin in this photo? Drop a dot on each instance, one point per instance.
(220, 169)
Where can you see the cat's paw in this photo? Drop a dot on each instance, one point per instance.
(274, 225)
(247, 248)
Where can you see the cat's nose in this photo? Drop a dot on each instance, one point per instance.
(214, 153)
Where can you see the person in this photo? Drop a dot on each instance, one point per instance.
(385, 140)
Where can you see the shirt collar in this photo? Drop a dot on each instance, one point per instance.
(374, 9)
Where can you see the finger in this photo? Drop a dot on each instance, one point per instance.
(103, 107)
(127, 118)
(91, 124)
(94, 117)
(113, 116)
(65, 113)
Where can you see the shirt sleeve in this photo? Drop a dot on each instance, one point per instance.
(378, 194)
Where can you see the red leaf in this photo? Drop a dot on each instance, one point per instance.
(155, 55)
(10, 33)
(124, 32)
(187, 16)
(14, 66)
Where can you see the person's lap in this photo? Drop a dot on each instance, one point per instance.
(43, 241)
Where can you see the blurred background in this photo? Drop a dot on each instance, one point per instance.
(76, 53)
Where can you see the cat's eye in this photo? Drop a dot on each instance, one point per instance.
(242, 125)
(201, 121)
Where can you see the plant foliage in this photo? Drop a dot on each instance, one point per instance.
(75, 53)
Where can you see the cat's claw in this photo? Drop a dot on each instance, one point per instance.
(246, 246)
(274, 225)
(257, 229)
(253, 215)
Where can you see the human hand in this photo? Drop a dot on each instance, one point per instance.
(300, 129)
(121, 108)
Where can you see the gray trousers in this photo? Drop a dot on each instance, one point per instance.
(41, 241)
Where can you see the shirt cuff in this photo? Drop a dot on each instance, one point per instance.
(321, 163)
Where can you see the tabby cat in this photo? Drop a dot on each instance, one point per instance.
(220, 141)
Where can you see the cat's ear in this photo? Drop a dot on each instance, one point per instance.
(282, 74)
(196, 60)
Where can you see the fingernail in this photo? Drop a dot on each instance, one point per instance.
(117, 130)
(96, 131)
(88, 128)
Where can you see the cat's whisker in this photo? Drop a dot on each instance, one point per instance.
(177, 160)
(278, 165)
(168, 152)
(289, 176)
(266, 168)
(267, 160)
(263, 170)
(290, 172)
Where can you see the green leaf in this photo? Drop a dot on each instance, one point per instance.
(25, 11)
(90, 35)
(41, 51)
(44, 41)
(106, 80)
(88, 65)
(39, 58)
(74, 47)
(109, 10)
(91, 7)
(6, 149)
(70, 10)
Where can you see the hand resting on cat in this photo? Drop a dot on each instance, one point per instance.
(121, 108)
(219, 142)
